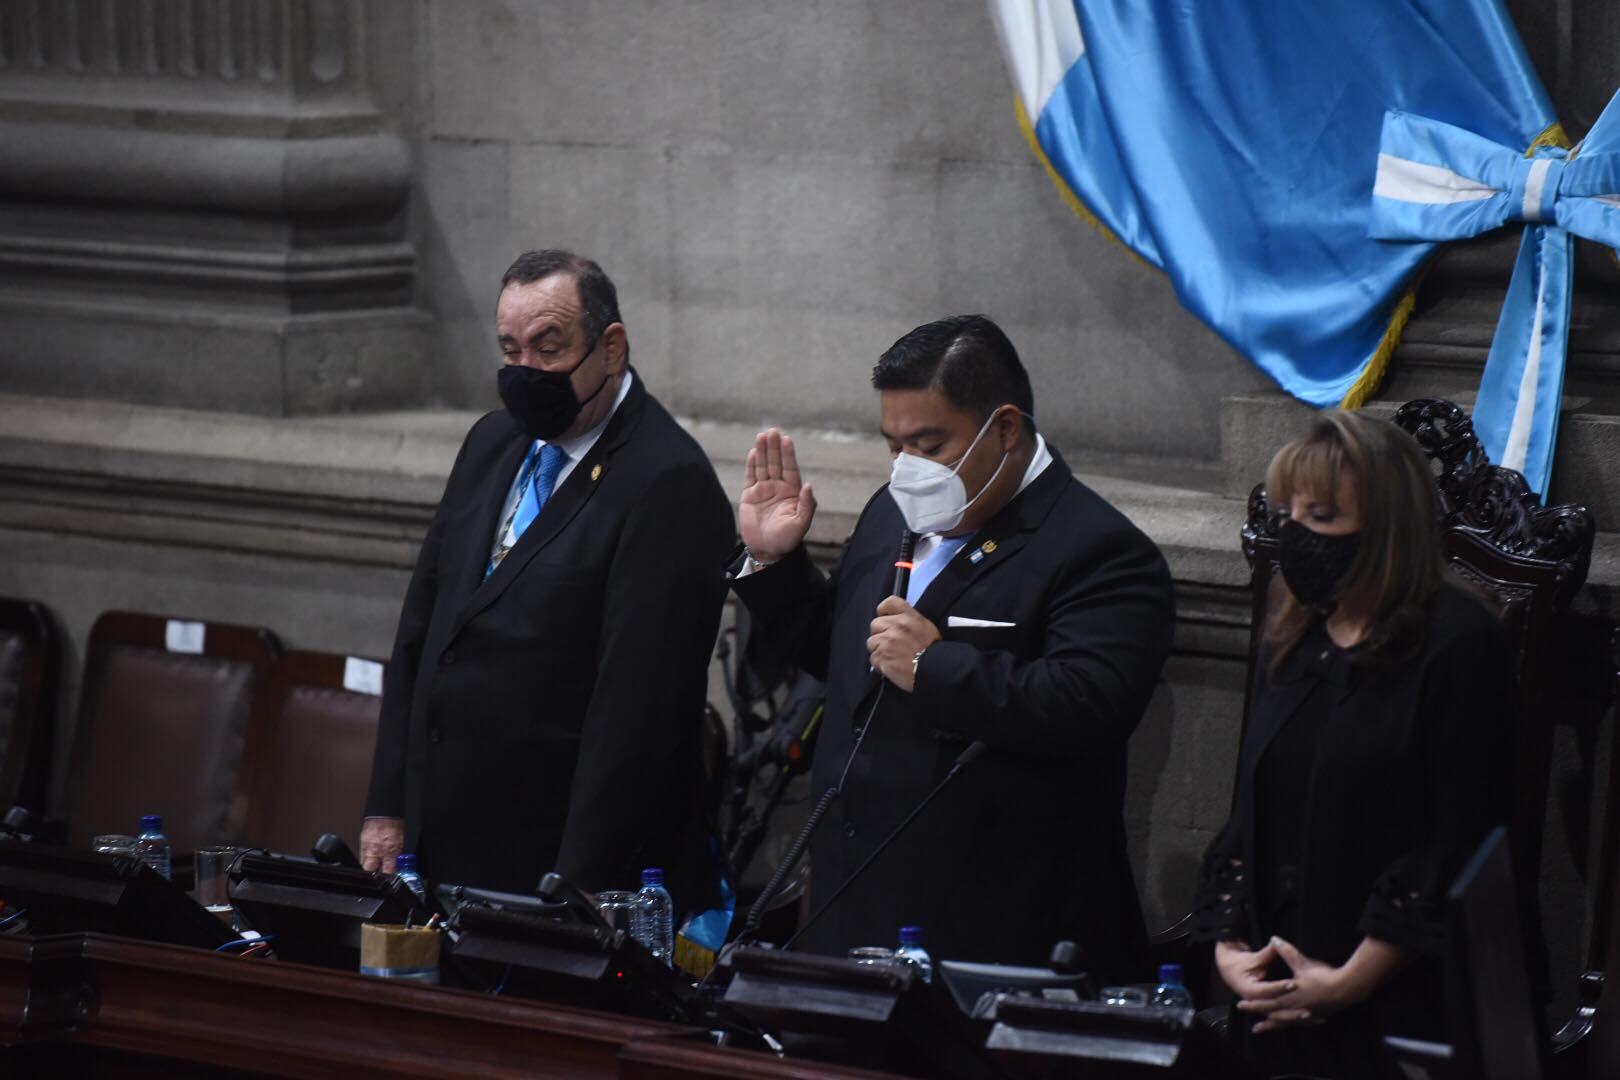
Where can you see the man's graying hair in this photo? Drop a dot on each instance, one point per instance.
(598, 299)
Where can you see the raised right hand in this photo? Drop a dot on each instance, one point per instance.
(776, 507)
(381, 838)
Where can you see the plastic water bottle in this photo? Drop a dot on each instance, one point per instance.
(912, 952)
(1170, 990)
(405, 870)
(656, 922)
(153, 848)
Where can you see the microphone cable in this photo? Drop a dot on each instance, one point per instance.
(967, 757)
(756, 911)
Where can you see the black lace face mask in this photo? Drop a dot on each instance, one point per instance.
(1314, 564)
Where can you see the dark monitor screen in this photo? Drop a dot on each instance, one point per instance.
(314, 910)
(66, 891)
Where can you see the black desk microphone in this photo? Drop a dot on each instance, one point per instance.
(974, 751)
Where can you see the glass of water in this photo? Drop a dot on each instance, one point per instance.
(114, 844)
(871, 954)
(618, 907)
(212, 864)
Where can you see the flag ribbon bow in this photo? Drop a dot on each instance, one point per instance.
(1437, 182)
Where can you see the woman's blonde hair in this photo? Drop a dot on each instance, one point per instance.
(1399, 565)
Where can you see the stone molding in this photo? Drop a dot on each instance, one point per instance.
(220, 170)
(361, 490)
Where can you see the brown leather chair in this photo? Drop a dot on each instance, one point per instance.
(167, 711)
(30, 667)
(311, 772)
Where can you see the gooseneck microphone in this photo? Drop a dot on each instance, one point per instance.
(903, 564)
(974, 751)
(756, 913)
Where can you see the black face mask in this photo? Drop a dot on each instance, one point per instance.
(1312, 563)
(543, 402)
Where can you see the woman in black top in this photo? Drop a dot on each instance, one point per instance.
(1375, 760)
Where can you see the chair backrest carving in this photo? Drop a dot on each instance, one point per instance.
(1497, 534)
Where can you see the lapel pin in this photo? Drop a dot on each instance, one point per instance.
(976, 558)
(596, 472)
(988, 547)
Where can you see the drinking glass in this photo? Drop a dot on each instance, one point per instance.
(618, 907)
(114, 844)
(871, 954)
(212, 864)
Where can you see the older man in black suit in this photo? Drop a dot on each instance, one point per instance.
(543, 705)
(1036, 620)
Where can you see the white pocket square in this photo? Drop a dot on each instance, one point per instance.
(963, 620)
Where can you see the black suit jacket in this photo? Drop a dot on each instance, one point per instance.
(1408, 778)
(549, 717)
(1028, 845)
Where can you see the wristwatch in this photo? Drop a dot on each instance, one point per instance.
(915, 660)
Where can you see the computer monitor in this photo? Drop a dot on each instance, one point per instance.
(880, 1015)
(315, 911)
(529, 947)
(65, 891)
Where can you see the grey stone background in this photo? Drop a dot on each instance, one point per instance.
(781, 189)
(248, 265)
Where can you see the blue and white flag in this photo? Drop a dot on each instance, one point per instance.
(1061, 115)
(1237, 146)
(1437, 181)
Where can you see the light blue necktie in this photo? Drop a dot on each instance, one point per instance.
(928, 569)
(538, 490)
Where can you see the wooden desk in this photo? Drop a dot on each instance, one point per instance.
(128, 1008)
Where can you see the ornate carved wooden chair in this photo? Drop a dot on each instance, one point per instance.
(1497, 534)
(1531, 558)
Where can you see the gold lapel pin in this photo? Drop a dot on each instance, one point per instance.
(988, 547)
(596, 472)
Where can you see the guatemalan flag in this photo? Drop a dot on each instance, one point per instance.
(1291, 166)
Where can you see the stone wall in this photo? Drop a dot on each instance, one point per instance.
(781, 189)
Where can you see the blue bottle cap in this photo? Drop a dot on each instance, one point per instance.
(151, 823)
(652, 876)
(404, 861)
(911, 935)
(1170, 973)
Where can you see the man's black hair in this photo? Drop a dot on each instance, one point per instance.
(598, 299)
(966, 358)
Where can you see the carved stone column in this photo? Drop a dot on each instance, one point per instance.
(200, 205)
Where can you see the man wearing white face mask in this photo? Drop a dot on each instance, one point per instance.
(1036, 620)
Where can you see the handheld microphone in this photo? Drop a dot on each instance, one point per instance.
(902, 563)
(974, 751)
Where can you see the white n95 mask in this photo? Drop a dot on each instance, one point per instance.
(930, 495)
